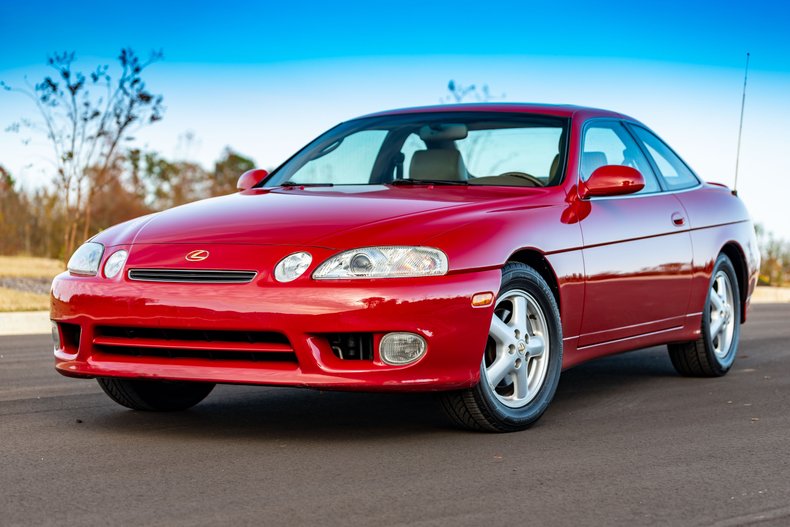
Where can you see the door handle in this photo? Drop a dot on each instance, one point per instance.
(678, 220)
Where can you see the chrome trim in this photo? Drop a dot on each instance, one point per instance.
(194, 276)
(647, 195)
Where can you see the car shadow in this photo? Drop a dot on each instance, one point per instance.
(283, 413)
(614, 373)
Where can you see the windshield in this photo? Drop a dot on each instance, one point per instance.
(468, 148)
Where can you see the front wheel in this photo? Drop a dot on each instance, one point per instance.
(521, 365)
(713, 353)
(155, 396)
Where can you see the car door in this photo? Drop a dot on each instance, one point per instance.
(637, 248)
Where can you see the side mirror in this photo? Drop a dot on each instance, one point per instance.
(612, 180)
(251, 178)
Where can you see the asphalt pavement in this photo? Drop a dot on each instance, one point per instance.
(626, 442)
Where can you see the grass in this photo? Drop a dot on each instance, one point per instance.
(30, 267)
(13, 300)
(26, 267)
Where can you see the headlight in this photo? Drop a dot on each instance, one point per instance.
(115, 263)
(86, 259)
(384, 262)
(292, 267)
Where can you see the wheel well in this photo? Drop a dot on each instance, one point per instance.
(738, 260)
(538, 261)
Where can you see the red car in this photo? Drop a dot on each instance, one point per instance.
(473, 250)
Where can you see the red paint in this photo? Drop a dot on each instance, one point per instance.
(629, 274)
(612, 180)
(251, 178)
(638, 267)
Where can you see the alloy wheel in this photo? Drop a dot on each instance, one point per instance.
(721, 322)
(517, 356)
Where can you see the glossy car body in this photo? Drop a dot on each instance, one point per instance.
(627, 271)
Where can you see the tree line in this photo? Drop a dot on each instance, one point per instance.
(37, 222)
(88, 119)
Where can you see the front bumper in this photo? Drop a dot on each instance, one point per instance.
(304, 311)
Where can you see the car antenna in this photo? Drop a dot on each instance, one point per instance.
(740, 127)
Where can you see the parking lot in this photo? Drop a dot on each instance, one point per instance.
(626, 442)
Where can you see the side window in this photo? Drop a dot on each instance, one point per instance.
(348, 163)
(610, 144)
(674, 171)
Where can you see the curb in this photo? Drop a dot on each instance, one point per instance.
(771, 295)
(25, 323)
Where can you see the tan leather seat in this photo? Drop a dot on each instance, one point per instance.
(555, 165)
(442, 164)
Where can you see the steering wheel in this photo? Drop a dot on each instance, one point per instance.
(523, 175)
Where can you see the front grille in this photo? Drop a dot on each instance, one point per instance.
(202, 276)
(254, 346)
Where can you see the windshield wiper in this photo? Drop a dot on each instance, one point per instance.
(399, 182)
(289, 184)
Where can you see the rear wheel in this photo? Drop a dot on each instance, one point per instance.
(713, 353)
(521, 365)
(155, 396)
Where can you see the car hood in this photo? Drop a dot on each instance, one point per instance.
(319, 216)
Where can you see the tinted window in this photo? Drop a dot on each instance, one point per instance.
(610, 144)
(529, 151)
(346, 162)
(411, 145)
(495, 149)
(674, 171)
(532, 151)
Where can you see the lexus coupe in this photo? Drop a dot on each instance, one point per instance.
(471, 250)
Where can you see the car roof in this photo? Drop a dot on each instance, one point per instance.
(558, 110)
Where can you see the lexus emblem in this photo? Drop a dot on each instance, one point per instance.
(197, 256)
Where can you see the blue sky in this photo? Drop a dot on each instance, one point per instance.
(708, 33)
(266, 77)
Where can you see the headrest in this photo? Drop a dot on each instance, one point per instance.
(438, 164)
(591, 161)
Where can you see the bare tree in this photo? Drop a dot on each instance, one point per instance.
(460, 93)
(85, 119)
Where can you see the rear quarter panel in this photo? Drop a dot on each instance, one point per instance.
(717, 218)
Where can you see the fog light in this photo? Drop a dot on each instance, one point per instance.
(56, 335)
(401, 348)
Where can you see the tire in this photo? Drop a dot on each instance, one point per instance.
(155, 396)
(713, 354)
(518, 376)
